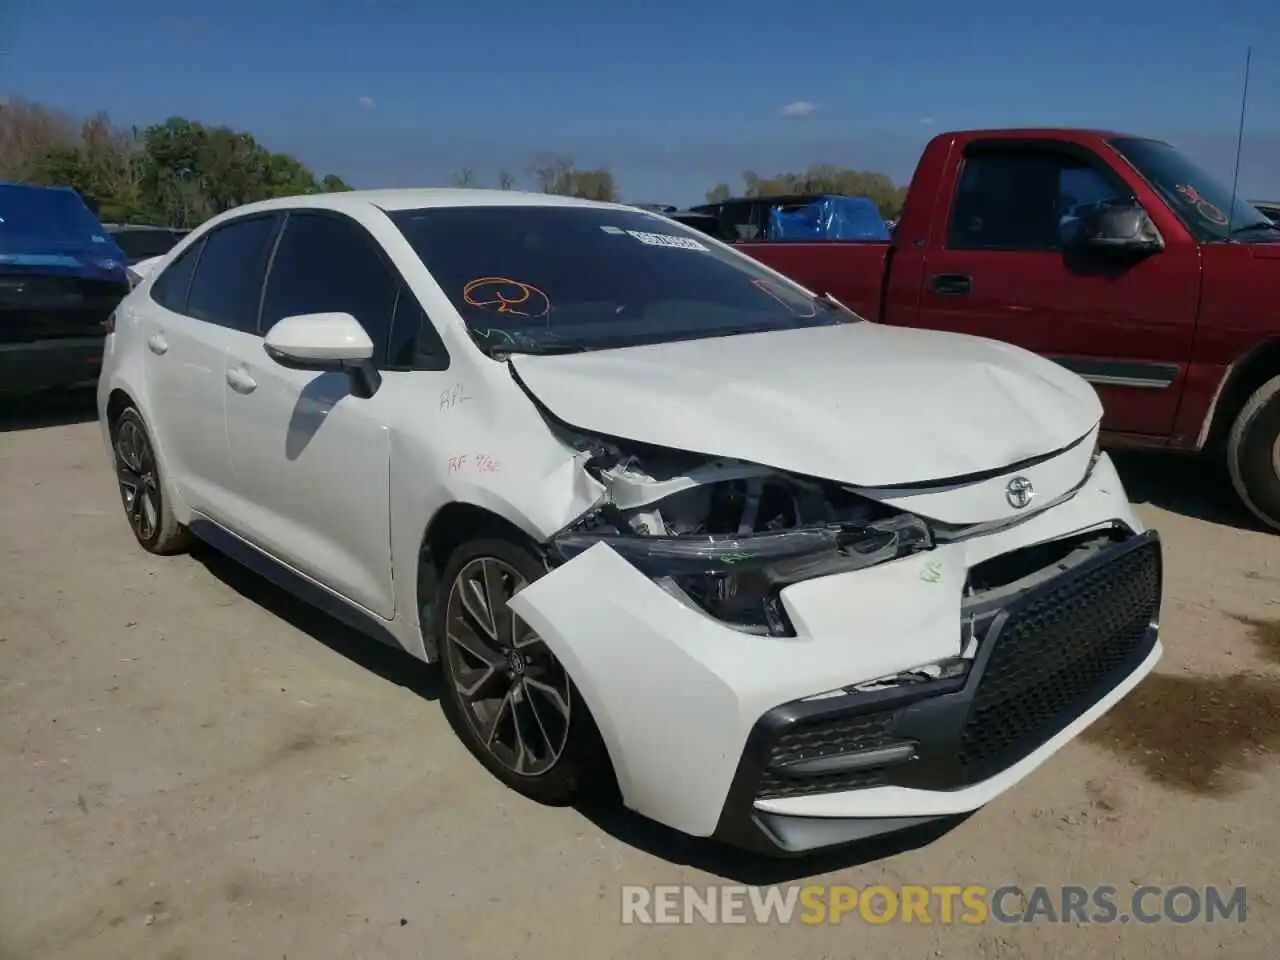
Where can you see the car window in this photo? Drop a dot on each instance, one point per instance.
(227, 286)
(170, 288)
(415, 342)
(1021, 199)
(550, 278)
(330, 264)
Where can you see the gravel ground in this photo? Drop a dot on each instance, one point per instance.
(194, 765)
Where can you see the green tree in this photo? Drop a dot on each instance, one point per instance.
(179, 172)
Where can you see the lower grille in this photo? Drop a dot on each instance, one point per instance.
(1055, 657)
(825, 739)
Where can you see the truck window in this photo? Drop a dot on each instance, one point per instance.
(740, 221)
(1022, 198)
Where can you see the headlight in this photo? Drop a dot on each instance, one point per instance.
(738, 579)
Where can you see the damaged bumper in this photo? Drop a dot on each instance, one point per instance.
(760, 740)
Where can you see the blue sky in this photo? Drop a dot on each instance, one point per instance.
(671, 96)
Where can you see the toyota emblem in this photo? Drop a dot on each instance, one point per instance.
(1019, 492)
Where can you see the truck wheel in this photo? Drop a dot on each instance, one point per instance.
(1253, 453)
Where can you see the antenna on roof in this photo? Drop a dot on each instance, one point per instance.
(1244, 102)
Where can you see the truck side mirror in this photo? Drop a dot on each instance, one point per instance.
(1123, 229)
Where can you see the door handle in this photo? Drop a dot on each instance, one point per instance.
(157, 344)
(240, 381)
(951, 284)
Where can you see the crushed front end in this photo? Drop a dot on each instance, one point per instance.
(786, 663)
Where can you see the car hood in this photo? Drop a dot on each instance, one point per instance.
(862, 404)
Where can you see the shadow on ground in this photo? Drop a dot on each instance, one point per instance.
(740, 866)
(390, 663)
(1196, 487)
(1199, 735)
(30, 412)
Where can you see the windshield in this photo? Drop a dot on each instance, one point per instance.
(1200, 201)
(544, 279)
(41, 220)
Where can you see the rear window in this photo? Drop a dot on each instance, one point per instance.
(41, 219)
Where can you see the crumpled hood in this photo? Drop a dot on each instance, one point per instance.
(862, 404)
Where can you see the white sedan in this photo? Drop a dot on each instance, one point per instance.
(669, 523)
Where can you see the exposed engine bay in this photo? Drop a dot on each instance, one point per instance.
(667, 495)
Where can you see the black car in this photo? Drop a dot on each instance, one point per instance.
(142, 242)
(1270, 210)
(61, 277)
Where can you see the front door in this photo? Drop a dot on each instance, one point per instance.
(311, 461)
(996, 268)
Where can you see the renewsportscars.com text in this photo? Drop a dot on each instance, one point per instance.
(935, 904)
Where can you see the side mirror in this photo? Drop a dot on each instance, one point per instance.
(326, 342)
(1125, 230)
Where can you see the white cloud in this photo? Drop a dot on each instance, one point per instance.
(801, 108)
(367, 103)
(926, 119)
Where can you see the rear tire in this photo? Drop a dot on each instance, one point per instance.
(142, 487)
(1253, 453)
(506, 695)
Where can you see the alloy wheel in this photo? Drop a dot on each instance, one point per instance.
(139, 481)
(514, 692)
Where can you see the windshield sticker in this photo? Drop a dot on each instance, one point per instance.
(617, 231)
(1203, 207)
(804, 311)
(507, 296)
(667, 240)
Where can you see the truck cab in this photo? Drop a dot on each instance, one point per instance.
(1112, 254)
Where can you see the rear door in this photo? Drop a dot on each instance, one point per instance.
(995, 267)
(209, 301)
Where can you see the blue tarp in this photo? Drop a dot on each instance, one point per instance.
(829, 218)
(50, 230)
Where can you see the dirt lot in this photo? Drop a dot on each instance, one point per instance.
(194, 766)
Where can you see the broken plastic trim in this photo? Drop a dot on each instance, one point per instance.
(737, 580)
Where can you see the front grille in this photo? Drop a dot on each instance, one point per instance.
(825, 738)
(1054, 658)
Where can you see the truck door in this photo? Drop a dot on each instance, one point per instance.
(994, 266)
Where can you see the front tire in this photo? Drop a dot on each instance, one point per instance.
(142, 489)
(1253, 453)
(506, 695)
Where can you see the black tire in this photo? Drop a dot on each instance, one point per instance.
(513, 703)
(142, 487)
(1253, 453)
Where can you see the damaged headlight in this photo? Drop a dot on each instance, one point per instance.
(737, 579)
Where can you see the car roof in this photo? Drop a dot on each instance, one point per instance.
(416, 199)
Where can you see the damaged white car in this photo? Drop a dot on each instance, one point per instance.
(666, 520)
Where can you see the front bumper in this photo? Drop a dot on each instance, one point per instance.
(1047, 665)
(692, 713)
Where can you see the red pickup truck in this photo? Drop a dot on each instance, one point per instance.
(1112, 254)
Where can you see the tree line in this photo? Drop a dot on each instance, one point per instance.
(181, 172)
(177, 173)
(821, 178)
